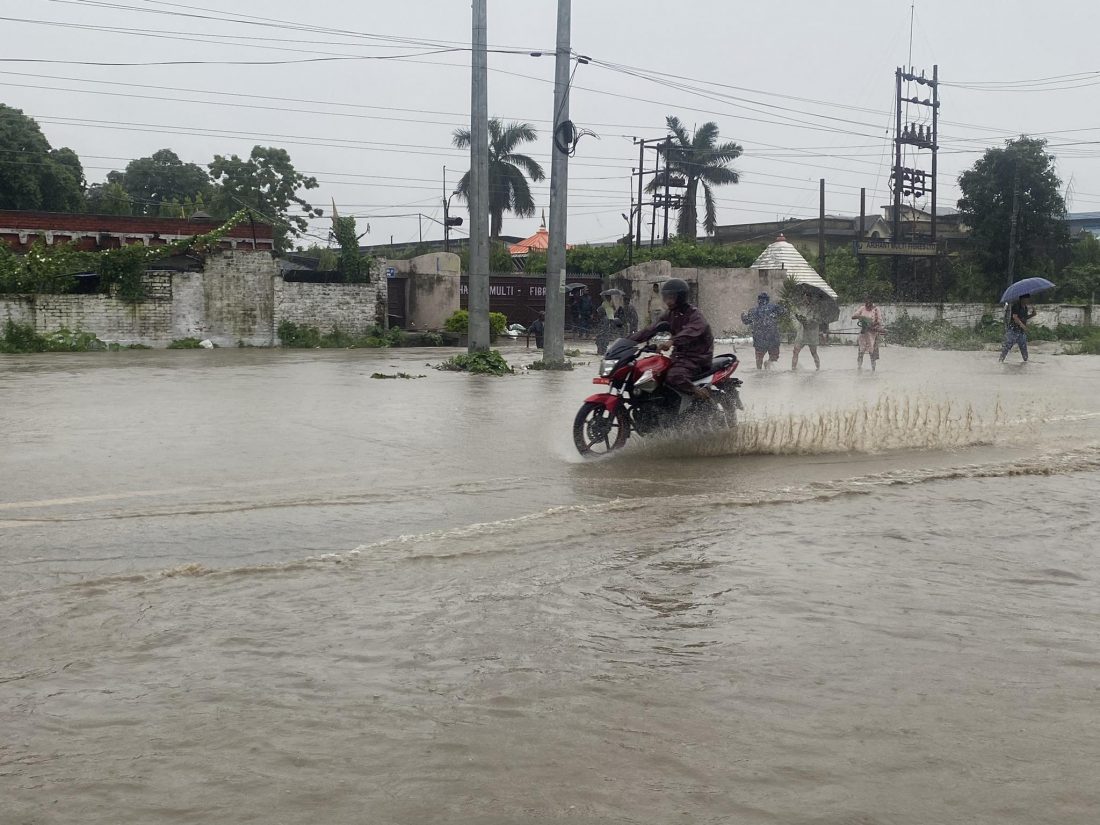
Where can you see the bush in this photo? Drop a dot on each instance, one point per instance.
(478, 363)
(21, 338)
(1072, 332)
(561, 366)
(1037, 332)
(460, 322)
(305, 337)
(185, 343)
(913, 332)
(1090, 345)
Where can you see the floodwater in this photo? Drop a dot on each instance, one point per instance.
(261, 586)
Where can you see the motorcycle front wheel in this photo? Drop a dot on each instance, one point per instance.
(597, 432)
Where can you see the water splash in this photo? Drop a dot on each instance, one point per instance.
(887, 424)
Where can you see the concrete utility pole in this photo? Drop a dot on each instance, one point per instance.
(1013, 221)
(821, 233)
(554, 352)
(479, 182)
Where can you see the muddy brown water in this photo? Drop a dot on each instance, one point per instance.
(254, 586)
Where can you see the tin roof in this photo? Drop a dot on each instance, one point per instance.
(539, 241)
(782, 255)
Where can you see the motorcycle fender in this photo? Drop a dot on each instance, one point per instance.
(610, 402)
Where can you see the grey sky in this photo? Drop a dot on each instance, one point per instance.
(384, 161)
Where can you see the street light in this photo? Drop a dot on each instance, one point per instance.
(448, 221)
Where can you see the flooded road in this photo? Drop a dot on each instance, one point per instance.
(247, 585)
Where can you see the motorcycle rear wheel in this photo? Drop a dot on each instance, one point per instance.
(598, 432)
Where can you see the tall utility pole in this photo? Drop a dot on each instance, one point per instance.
(1013, 221)
(821, 233)
(554, 352)
(479, 182)
(914, 182)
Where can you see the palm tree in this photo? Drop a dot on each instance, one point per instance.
(508, 189)
(699, 159)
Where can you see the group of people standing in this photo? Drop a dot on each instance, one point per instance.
(615, 317)
(764, 320)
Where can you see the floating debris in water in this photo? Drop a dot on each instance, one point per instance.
(405, 375)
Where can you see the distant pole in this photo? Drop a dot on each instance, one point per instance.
(420, 227)
(554, 351)
(479, 182)
(1013, 221)
(446, 217)
(821, 230)
(895, 226)
(667, 146)
(641, 176)
(862, 230)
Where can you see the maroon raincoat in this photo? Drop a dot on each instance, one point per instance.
(692, 344)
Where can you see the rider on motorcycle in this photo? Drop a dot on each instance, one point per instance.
(692, 342)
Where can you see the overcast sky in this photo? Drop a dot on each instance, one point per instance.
(807, 90)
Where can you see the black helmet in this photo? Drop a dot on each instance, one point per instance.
(677, 287)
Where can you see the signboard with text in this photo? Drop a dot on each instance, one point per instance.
(521, 298)
(900, 248)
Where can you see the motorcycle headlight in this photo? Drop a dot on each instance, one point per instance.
(606, 367)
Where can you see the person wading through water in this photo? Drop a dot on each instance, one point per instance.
(764, 320)
(871, 329)
(1016, 326)
(692, 341)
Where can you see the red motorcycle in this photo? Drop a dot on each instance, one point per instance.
(638, 400)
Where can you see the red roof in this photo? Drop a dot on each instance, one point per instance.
(540, 241)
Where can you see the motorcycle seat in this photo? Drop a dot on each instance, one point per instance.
(719, 362)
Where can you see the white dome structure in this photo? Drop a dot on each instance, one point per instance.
(781, 255)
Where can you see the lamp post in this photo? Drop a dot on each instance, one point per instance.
(629, 236)
(448, 221)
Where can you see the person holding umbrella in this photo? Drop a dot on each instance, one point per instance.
(1019, 313)
(1016, 326)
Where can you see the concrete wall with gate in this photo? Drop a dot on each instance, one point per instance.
(432, 289)
(721, 294)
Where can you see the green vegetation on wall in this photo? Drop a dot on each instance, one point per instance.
(51, 269)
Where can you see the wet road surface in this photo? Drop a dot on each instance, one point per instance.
(262, 586)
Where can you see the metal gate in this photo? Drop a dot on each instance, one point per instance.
(397, 301)
(521, 298)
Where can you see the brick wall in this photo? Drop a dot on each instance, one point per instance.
(351, 307)
(238, 291)
(237, 298)
(17, 308)
(966, 315)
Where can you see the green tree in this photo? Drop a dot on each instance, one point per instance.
(1080, 281)
(703, 162)
(500, 259)
(508, 187)
(268, 183)
(988, 191)
(353, 264)
(33, 175)
(161, 178)
(109, 199)
(843, 275)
